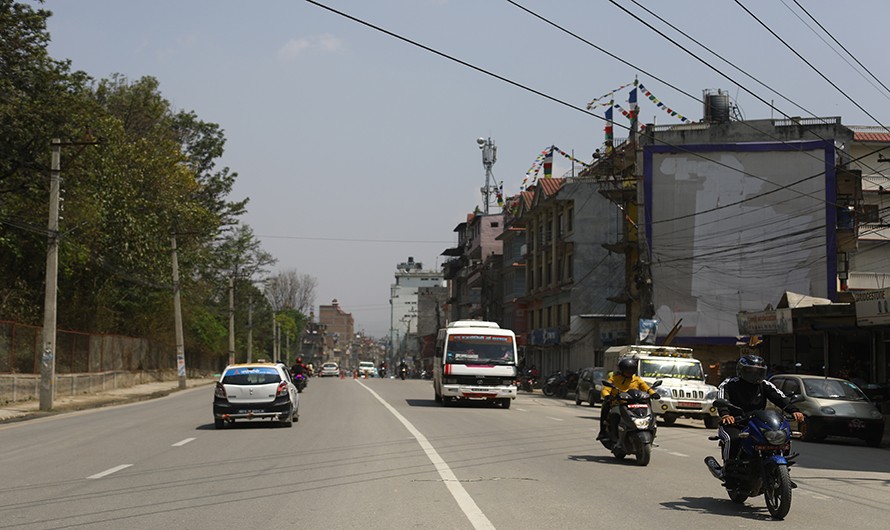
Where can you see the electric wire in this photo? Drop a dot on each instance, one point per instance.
(808, 63)
(802, 8)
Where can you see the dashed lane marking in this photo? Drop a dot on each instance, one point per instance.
(109, 471)
(180, 444)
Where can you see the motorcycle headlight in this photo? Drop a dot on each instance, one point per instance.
(641, 423)
(775, 437)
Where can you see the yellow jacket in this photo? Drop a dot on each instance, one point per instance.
(624, 384)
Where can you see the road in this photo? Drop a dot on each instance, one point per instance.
(382, 454)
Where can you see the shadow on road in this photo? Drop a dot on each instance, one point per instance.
(422, 403)
(717, 506)
(604, 459)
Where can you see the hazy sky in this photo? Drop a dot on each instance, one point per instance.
(358, 150)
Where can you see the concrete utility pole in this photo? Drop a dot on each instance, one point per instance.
(250, 328)
(48, 359)
(231, 320)
(177, 316)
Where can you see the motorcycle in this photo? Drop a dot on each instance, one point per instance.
(403, 372)
(762, 465)
(558, 384)
(635, 433)
(300, 382)
(527, 382)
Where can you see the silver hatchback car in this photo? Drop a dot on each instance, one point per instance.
(833, 407)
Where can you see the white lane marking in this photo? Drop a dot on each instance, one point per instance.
(109, 471)
(555, 419)
(466, 503)
(677, 454)
(520, 410)
(180, 444)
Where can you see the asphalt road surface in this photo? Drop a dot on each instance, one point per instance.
(382, 454)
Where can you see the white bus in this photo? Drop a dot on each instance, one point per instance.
(475, 360)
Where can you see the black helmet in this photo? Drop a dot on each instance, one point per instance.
(627, 367)
(751, 368)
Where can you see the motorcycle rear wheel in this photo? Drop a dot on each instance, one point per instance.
(777, 492)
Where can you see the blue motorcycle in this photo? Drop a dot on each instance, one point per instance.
(762, 465)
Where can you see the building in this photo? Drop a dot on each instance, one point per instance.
(339, 329)
(410, 277)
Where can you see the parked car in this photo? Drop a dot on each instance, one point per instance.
(329, 369)
(833, 407)
(255, 391)
(590, 385)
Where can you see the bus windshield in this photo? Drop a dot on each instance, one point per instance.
(480, 349)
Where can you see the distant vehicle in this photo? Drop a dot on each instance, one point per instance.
(475, 360)
(833, 407)
(255, 391)
(590, 385)
(329, 370)
(367, 369)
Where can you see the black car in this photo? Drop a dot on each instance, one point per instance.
(590, 385)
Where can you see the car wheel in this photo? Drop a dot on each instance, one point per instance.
(591, 399)
(289, 419)
(506, 402)
(875, 439)
(577, 398)
(669, 419)
(218, 423)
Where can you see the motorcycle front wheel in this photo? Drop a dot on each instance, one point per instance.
(777, 491)
(547, 390)
(644, 454)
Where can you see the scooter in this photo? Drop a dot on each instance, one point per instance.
(764, 459)
(635, 432)
(403, 372)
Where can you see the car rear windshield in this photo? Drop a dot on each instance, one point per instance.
(251, 376)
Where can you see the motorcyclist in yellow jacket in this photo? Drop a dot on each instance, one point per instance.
(624, 379)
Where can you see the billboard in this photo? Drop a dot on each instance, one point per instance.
(730, 227)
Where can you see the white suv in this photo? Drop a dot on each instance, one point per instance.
(366, 368)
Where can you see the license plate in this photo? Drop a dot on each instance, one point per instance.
(689, 405)
(246, 411)
(857, 424)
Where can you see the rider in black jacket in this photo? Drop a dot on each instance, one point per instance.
(749, 390)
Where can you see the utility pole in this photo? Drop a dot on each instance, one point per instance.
(177, 316)
(232, 319)
(48, 359)
(250, 328)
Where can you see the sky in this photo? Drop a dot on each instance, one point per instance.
(357, 149)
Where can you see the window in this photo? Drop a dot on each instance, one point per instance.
(570, 218)
(870, 214)
(494, 224)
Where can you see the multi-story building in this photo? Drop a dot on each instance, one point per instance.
(410, 276)
(339, 328)
(869, 267)
(569, 274)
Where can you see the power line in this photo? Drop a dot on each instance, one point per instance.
(354, 240)
(841, 45)
(802, 58)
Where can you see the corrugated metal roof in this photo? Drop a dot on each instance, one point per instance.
(551, 186)
(871, 136)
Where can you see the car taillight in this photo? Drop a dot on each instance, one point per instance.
(282, 389)
(220, 391)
